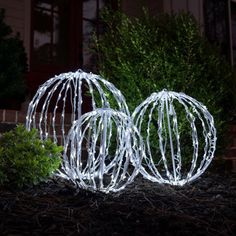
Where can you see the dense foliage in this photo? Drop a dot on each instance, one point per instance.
(146, 55)
(25, 159)
(13, 63)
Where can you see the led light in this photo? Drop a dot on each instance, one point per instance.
(168, 122)
(103, 151)
(63, 94)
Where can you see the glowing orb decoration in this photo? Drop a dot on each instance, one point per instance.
(179, 137)
(103, 151)
(60, 101)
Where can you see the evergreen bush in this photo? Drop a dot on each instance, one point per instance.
(147, 54)
(25, 159)
(13, 63)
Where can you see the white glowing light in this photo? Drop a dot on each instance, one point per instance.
(160, 119)
(102, 152)
(60, 99)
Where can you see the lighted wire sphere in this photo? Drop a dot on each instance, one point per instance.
(103, 151)
(179, 137)
(65, 97)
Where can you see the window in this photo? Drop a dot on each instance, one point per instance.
(61, 33)
(216, 24)
(50, 32)
(220, 26)
(92, 24)
(232, 27)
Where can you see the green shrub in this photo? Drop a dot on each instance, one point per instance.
(13, 63)
(146, 55)
(25, 159)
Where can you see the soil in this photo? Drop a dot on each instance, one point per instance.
(206, 207)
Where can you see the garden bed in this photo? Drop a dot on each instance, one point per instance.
(206, 207)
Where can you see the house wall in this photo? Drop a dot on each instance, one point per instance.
(135, 8)
(193, 6)
(17, 15)
(18, 12)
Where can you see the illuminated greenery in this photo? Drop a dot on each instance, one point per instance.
(146, 55)
(25, 159)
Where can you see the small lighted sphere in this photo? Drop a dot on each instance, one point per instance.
(103, 151)
(64, 98)
(179, 137)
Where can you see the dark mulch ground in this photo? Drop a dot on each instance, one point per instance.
(207, 207)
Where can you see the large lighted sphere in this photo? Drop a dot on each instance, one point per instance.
(103, 151)
(179, 137)
(64, 98)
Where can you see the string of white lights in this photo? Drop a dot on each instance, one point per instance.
(163, 119)
(103, 151)
(61, 98)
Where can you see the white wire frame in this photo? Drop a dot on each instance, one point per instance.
(166, 165)
(103, 151)
(66, 91)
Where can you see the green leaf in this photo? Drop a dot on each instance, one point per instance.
(25, 159)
